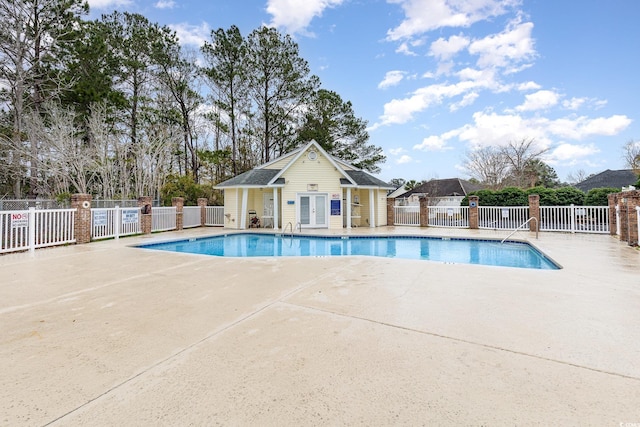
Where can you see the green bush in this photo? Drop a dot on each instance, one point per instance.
(598, 196)
(184, 186)
(511, 196)
(548, 196)
(570, 196)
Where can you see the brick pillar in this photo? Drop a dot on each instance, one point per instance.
(391, 202)
(534, 211)
(202, 202)
(627, 203)
(82, 224)
(178, 203)
(144, 203)
(613, 218)
(424, 211)
(474, 202)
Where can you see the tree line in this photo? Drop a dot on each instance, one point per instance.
(116, 107)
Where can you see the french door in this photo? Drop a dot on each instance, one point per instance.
(312, 210)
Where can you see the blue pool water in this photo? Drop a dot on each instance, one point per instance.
(449, 250)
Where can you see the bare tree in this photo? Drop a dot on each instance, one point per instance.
(488, 165)
(519, 155)
(577, 176)
(631, 155)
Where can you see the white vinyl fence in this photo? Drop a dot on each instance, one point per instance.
(214, 216)
(583, 219)
(502, 217)
(191, 216)
(406, 215)
(449, 216)
(163, 219)
(638, 214)
(115, 222)
(31, 229)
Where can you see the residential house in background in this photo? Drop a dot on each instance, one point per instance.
(439, 192)
(615, 179)
(306, 188)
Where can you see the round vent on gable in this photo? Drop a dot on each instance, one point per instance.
(312, 155)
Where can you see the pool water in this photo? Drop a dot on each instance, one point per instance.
(442, 249)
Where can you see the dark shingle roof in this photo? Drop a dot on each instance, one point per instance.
(364, 179)
(615, 179)
(252, 177)
(445, 187)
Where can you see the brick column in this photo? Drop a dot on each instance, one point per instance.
(627, 203)
(534, 211)
(202, 202)
(178, 203)
(144, 203)
(474, 202)
(424, 211)
(391, 202)
(82, 224)
(613, 218)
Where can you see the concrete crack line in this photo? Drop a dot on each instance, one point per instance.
(462, 340)
(194, 345)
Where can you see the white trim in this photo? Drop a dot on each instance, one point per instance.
(372, 209)
(327, 212)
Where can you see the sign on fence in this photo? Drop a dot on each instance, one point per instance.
(129, 217)
(99, 218)
(19, 220)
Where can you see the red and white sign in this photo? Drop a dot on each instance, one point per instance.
(19, 220)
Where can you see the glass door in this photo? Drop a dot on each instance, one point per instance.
(312, 210)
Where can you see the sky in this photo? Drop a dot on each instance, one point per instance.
(437, 79)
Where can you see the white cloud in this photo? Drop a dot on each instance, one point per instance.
(392, 78)
(191, 34)
(295, 16)
(396, 151)
(569, 152)
(103, 4)
(165, 4)
(523, 87)
(432, 143)
(426, 15)
(539, 100)
(446, 49)
(512, 46)
(404, 160)
(466, 100)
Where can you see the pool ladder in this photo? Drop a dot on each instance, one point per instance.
(533, 218)
(290, 225)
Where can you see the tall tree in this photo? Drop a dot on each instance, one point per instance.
(225, 57)
(32, 33)
(488, 165)
(332, 123)
(520, 154)
(631, 154)
(280, 86)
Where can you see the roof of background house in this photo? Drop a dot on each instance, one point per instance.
(615, 179)
(444, 188)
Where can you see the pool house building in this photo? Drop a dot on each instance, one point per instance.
(307, 188)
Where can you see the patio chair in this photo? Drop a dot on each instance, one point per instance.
(254, 221)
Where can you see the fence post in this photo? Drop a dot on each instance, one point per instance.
(32, 230)
(391, 202)
(178, 203)
(534, 211)
(82, 223)
(424, 211)
(474, 202)
(117, 218)
(144, 203)
(202, 202)
(573, 218)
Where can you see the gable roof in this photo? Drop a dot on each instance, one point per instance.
(444, 188)
(608, 178)
(261, 176)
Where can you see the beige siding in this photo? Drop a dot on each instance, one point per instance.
(231, 208)
(381, 211)
(303, 173)
(282, 163)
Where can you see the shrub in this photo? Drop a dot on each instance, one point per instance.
(183, 186)
(598, 196)
(511, 196)
(570, 196)
(548, 196)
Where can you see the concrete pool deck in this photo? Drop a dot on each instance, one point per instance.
(107, 334)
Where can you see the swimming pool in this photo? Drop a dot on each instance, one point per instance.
(442, 249)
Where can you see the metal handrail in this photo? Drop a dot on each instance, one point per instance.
(289, 224)
(522, 225)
